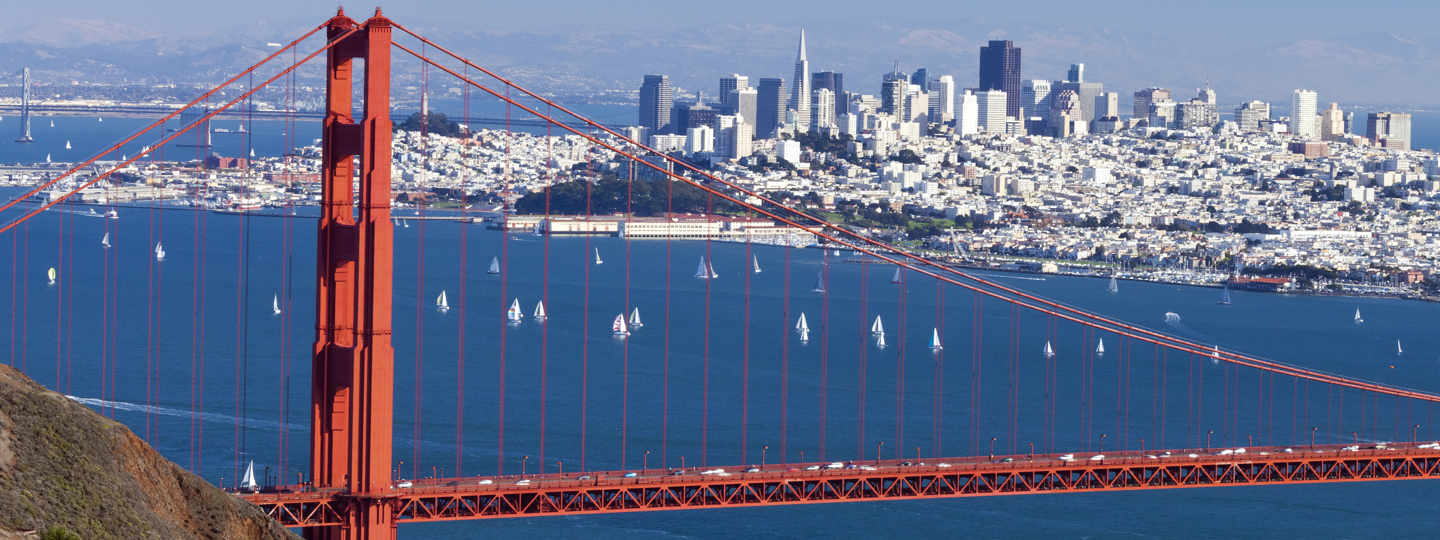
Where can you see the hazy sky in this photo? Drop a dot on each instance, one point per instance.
(1217, 20)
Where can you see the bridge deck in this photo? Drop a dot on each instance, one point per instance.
(653, 489)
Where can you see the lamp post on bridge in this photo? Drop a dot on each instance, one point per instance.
(434, 473)
(1415, 434)
(523, 462)
(1249, 441)
(1032, 450)
(1207, 439)
(917, 453)
(992, 448)
(1102, 443)
(1312, 438)
(645, 463)
(878, 446)
(1142, 446)
(762, 456)
(1357, 437)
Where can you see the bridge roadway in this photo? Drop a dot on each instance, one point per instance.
(659, 489)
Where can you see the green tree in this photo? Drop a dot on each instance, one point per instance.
(438, 124)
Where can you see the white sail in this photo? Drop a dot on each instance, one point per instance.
(702, 271)
(619, 326)
(1225, 295)
(159, 252)
(105, 241)
(597, 256)
(1100, 349)
(804, 334)
(1358, 320)
(801, 325)
(514, 313)
(1398, 350)
(52, 276)
(494, 266)
(540, 311)
(67, 145)
(877, 327)
(442, 302)
(1216, 354)
(635, 318)
(935, 339)
(248, 482)
(405, 222)
(757, 263)
(536, 232)
(1113, 286)
(880, 343)
(819, 283)
(275, 304)
(896, 279)
(711, 266)
(1049, 351)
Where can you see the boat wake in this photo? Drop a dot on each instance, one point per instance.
(181, 413)
(1173, 320)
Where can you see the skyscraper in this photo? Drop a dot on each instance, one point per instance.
(1000, 70)
(800, 96)
(655, 103)
(1144, 98)
(822, 108)
(25, 109)
(921, 77)
(1332, 123)
(832, 81)
(967, 113)
(892, 94)
(731, 82)
(770, 107)
(1302, 114)
(1249, 115)
(745, 102)
(992, 110)
(1388, 130)
(1076, 73)
(1206, 94)
(942, 99)
(1107, 104)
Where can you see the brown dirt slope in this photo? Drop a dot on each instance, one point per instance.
(61, 464)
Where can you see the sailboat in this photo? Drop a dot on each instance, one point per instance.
(540, 311)
(819, 283)
(1049, 351)
(67, 145)
(935, 340)
(159, 252)
(1358, 320)
(619, 326)
(896, 279)
(1113, 286)
(803, 328)
(757, 263)
(405, 222)
(1398, 350)
(248, 482)
(494, 266)
(877, 327)
(705, 270)
(52, 276)
(102, 119)
(1225, 296)
(514, 314)
(52, 123)
(635, 318)
(275, 304)
(105, 241)
(1215, 355)
(442, 303)
(880, 343)
(597, 256)
(536, 232)
(1100, 349)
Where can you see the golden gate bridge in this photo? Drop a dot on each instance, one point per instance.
(354, 486)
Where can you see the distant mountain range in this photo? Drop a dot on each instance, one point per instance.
(1364, 70)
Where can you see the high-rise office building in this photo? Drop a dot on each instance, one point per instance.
(1076, 73)
(699, 139)
(800, 94)
(731, 82)
(942, 99)
(1195, 113)
(967, 113)
(1302, 114)
(1162, 114)
(892, 94)
(655, 104)
(1086, 91)
(745, 102)
(822, 109)
(1066, 118)
(1107, 104)
(1250, 114)
(1388, 130)
(917, 105)
(991, 110)
(1035, 98)
(1207, 95)
(1332, 123)
(832, 81)
(770, 107)
(921, 78)
(1144, 98)
(1000, 70)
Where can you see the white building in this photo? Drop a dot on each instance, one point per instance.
(667, 143)
(822, 109)
(1302, 114)
(699, 139)
(1035, 98)
(942, 99)
(967, 113)
(991, 112)
(788, 151)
